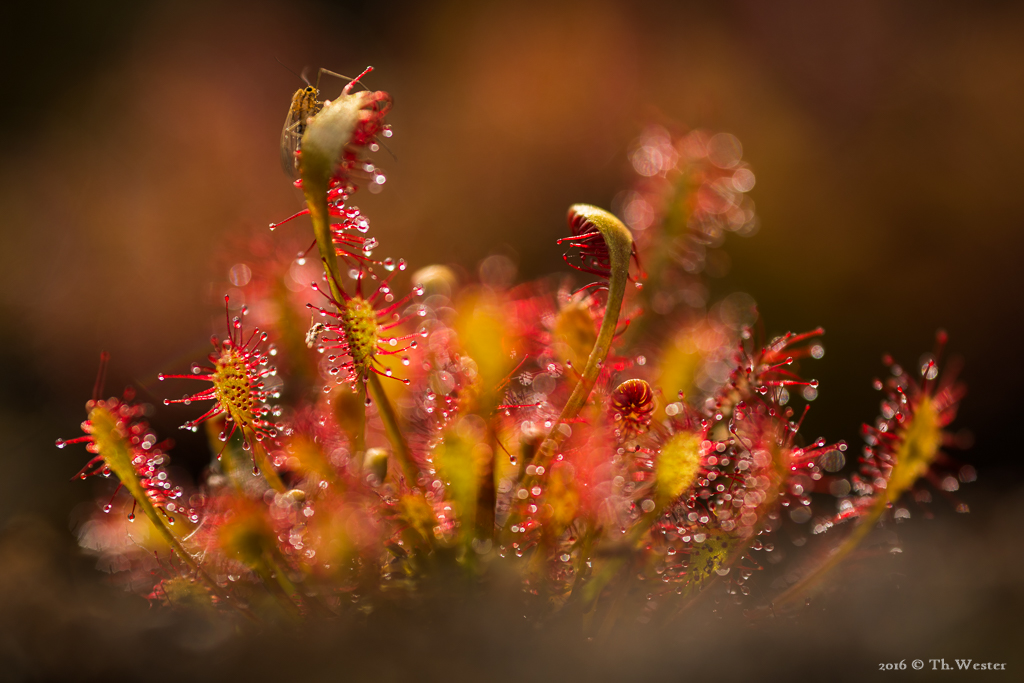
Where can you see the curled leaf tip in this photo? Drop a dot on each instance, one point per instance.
(605, 242)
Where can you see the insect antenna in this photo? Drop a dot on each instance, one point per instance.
(388, 150)
(101, 376)
(292, 72)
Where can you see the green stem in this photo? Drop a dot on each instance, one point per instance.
(486, 497)
(262, 460)
(172, 540)
(863, 528)
(359, 433)
(920, 439)
(324, 141)
(324, 241)
(393, 431)
(322, 145)
(236, 465)
(677, 468)
(118, 457)
(586, 544)
(619, 243)
(613, 566)
(275, 579)
(225, 452)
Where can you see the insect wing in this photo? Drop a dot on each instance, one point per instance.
(304, 105)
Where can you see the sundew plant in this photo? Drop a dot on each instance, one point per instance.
(620, 446)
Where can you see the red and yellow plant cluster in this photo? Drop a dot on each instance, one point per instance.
(620, 436)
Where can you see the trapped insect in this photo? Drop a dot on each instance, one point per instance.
(304, 105)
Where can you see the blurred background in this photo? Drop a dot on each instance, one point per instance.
(138, 147)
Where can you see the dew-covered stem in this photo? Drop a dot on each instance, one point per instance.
(619, 243)
(852, 540)
(920, 439)
(322, 143)
(117, 456)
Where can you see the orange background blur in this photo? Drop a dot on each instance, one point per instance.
(140, 143)
(139, 150)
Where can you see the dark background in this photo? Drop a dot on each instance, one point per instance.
(139, 141)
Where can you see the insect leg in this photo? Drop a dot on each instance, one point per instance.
(322, 71)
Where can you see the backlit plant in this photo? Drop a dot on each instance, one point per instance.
(620, 445)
